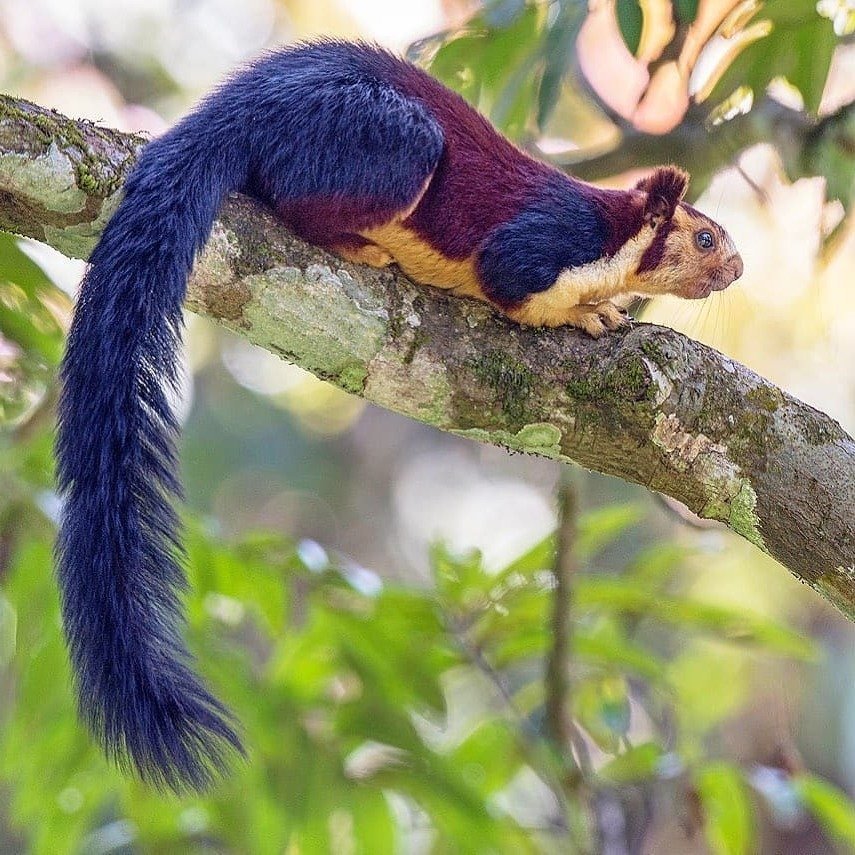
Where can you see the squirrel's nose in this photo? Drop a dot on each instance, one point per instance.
(736, 261)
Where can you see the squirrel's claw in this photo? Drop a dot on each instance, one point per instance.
(596, 319)
(611, 315)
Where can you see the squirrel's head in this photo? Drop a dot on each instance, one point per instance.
(689, 255)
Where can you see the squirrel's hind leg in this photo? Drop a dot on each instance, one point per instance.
(360, 250)
(371, 156)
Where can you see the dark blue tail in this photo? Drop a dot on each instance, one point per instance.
(318, 122)
(119, 558)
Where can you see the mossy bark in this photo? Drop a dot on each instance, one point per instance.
(646, 404)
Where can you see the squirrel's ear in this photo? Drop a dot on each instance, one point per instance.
(665, 187)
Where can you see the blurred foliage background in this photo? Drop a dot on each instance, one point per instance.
(436, 646)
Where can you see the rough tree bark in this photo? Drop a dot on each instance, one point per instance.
(648, 405)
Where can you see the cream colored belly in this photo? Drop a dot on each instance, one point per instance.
(419, 260)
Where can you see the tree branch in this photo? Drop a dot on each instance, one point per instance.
(647, 405)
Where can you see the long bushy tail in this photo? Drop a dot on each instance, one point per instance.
(118, 555)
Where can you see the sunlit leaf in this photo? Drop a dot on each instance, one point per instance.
(830, 154)
(509, 58)
(490, 62)
(489, 757)
(605, 644)
(16, 266)
(557, 58)
(798, 46)
(708, 686)
(24, 318)
(729, 824)
(373, 823)
(601, 705)
(523, 644)
(540, 557)
(461, 579)
(511, 612)
(8, 631)
(31, 337)
(833, 810)
(249, 578)
(625, 595)
(841, 13)
(638, 763)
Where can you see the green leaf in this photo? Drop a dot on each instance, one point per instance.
(829, 153)
(631, 21)
(28, 308)
(599, 528)
(655, 564)
(455, 63)
(639, 763)
(729, 824)
(605, 644)
(708, 686)
(528, 643)
(24, 317)
(798, 47)
(512, 108)
(8, 631)
(373, 823)
(601, 705)
(251, 576)
(16, 266)
(460, 579)
(813, 48)
(489, 756)
(464, 822)
(480, 61)
(502, 13)
(404, 668)
(685, 11)
(557, 53)
(626, 595)
(511, 611)
(540, 557)
(496, 62)
(833, 810)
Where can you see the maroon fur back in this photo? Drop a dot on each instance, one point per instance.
(482, 179)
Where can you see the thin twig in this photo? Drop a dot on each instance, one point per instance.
(566, 738)
(557, 679)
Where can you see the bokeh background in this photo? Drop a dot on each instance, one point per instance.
(391, 688)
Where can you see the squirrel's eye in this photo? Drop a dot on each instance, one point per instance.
(704, 239)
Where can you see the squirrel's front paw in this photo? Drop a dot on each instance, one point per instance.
(596, 318)
(593, 318)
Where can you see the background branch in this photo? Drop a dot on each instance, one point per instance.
(802, 142)
(557, 679)
(647, 405)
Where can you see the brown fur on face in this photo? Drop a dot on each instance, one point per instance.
(676, 262)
